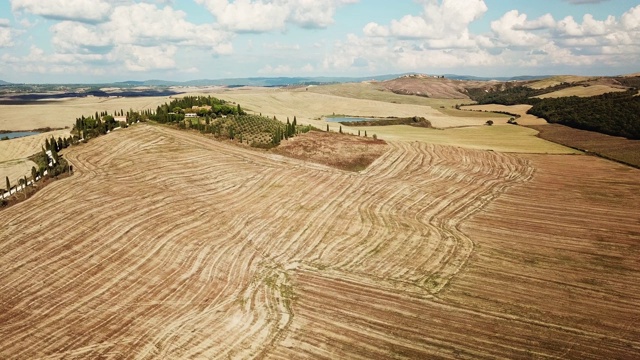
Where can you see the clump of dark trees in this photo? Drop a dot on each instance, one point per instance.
(48, 166)
(411, 121)
(226, 120)
(205, 106)
(102, 123)
(616, 113)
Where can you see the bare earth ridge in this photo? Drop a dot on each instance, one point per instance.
(165, 244)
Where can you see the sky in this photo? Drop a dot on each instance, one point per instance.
(94, 41)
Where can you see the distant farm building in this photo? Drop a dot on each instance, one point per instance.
(190, 115)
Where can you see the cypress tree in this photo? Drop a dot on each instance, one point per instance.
(8, 185)
(34, 174)
(340, 129)
(327, 127)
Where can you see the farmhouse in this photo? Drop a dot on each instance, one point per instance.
(120, 118)
(190, 115)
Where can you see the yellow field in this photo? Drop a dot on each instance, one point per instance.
(375, 91)
(308, 106)
(166, 244)
(524, 119)
(516, 139)
(61, 113)
(581, 91)
(557, 80)
(14, 154)
(472, 132)
(311, 107)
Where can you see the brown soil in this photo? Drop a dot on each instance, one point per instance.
(28, 192)
(434, 88)
(561, 252)
(611, 147)
(346, 152)
(165, 244)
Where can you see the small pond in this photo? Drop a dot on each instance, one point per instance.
(17, 134)
(349, 119)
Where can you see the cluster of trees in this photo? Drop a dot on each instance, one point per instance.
(102, 123)
(613, 113)
(54, 164)
(202, 106)
(512, 95)
(47, 165)
(256, 130)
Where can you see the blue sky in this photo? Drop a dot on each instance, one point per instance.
(90, 41)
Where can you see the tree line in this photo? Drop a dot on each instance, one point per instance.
(615, 113)
(202, 106)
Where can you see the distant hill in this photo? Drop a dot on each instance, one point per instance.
(4, 83)
(259, 81)
(313, 80)
(483, 78)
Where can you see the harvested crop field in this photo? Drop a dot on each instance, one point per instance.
(613, 147)
(310, 107)
(356, 153)
(557, 80)
(14, 154)
(521, 110)
(582, 91)
(202, 249)
(61, 113)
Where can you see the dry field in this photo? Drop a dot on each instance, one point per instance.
(309, 106)
(459, 131)
(376, 91)
(557, 80)
(356, 152)
(202, 249)
(612, 147)
(14, 154)
(524, 119)
(434, 87)
(582, 91)
(511, 139)
(61, 113)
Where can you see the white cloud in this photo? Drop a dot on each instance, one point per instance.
(122, 31)
(443, 23)
(631, 19)
(374, 30)
(509, 30)
(6, 33)
(145, 58)
(439, 19)
(440, 38)
(544, 22)
(281, 47)
(589, 27)
(122, 42)
(78, 10)
(284, 69)
(268, 15)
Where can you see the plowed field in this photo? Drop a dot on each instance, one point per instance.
(14, 154)
(166, 244)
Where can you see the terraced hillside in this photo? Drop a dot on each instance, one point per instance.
(165, 244)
